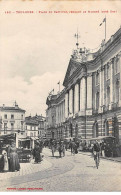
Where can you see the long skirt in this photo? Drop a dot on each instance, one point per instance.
(14, 162)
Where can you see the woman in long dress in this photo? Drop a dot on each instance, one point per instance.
(6, 168)
(14, 160)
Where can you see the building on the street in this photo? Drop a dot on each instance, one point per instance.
(12, 121)
(92, 93)
(41, 125)
(31, 129)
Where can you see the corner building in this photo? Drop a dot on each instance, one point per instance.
(92, 93)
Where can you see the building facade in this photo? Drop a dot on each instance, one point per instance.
(41, 125)
(12, 120)
(31, 127)
(92, 93)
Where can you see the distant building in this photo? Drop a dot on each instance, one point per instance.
(31, 130)
(31, 127)
(41, 122)
(12, 120)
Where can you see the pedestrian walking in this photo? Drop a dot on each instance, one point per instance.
(36, 153)
(71, 146)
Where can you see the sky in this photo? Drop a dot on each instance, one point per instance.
(35, 48)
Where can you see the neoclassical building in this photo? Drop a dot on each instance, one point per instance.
(90, 104)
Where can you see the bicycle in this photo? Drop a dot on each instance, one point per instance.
(96, 158)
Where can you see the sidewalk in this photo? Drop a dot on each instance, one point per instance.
(26, 168)
(116, 159)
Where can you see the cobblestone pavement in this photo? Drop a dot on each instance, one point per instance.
(72, 173)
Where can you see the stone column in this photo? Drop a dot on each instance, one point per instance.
(83, 95)
(57, 114)
(70, 101)
(89, 93)
(80, 94)
(100, 94)
(119, 55)
(73, 99)
(76, 98)
(111, 82)
(66, 105)
(103, 86)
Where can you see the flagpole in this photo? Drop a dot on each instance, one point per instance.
(59, 86)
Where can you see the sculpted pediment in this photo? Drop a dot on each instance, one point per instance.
(70, 70)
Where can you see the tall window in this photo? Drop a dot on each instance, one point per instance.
(117, 91)
(5, 116)
(97, 100)
(12, 126)
(106, 127)
(108, 95)
(5, 127)
(53, 120)
(12, 116)
(22, 125)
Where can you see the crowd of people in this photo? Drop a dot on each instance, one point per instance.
(9, 159)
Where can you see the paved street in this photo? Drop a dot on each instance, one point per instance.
(71, 173)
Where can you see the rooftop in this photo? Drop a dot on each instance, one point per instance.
(13, 108)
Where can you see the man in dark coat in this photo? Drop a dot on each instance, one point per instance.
(36, 153)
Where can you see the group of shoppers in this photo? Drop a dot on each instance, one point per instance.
(9, 160)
